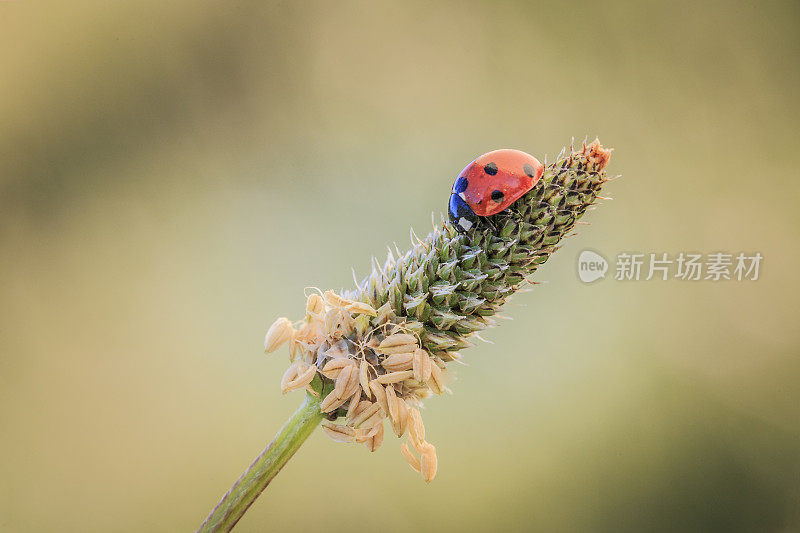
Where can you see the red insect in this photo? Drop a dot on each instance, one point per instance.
(490, 184)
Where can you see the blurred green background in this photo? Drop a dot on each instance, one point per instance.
(173, 174)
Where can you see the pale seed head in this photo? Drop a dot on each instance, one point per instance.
(374, 442)
(334, 300)
(353, 405)
(346, 382)
(400, 348)
(373, 420)
(331, 403)
(289, 375)
(392, 401)
(315, 305)
(421, 365)
(429, 463)
(365, 414)
(305, 374)
(412, 459)
(398, 361)
(333, 368)
(394, 377)
(397, 339)
(400, 423)
(436, 381)
(363, 377)
(416, 429)
(361, 308)
(380, 396)
(279, 332)
(339, 433)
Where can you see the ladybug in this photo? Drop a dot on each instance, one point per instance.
(490, 184)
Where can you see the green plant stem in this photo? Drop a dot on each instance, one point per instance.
(247, 488)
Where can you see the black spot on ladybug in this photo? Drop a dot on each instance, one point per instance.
(490, 169)
(497, 196)
(528, 170)
(461, 185)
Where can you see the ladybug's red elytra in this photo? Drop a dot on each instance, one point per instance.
(490, 184)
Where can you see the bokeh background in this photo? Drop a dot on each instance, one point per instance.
(173, 174)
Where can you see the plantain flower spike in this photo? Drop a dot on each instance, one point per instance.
(377, 351)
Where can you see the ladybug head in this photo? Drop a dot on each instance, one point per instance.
(461, 215)
(490, 184)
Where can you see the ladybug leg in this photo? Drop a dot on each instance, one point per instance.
(461, 214)
(488, 221)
